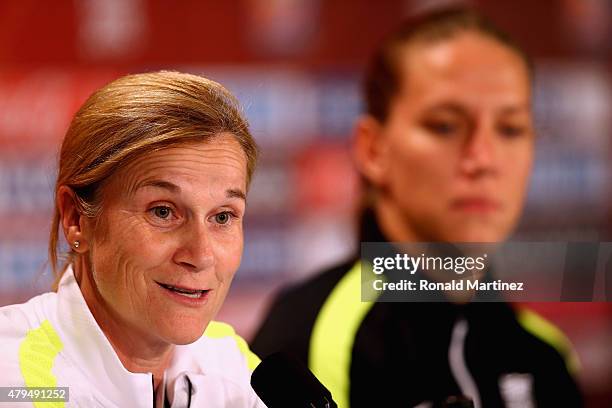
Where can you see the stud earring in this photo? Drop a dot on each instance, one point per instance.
(76, 244)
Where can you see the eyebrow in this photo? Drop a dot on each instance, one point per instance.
(166, 185)
(459, 109)
(448, 106)
(173, 188)
(235, 193)
(509, 110)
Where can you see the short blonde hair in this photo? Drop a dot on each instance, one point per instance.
(135, 115)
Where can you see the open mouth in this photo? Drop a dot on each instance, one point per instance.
(190, 293)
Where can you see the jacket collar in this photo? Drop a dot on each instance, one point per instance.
(87, 348)
(370, 231)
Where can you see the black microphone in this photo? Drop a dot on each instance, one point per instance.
(282, 381)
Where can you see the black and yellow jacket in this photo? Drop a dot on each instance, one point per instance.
(407, 354)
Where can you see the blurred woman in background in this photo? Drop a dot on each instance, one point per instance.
(445, 149)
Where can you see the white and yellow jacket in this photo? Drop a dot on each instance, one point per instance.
(53, 340)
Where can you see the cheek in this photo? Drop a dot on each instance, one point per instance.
(518, 170)
(228, 254)
(123, 255)
(415, 160)
(140, 242)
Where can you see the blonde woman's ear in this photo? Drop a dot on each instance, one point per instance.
(70, 219)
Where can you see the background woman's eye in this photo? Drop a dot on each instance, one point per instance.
(162, 212)
(223, 218)
(442, 128)
(510, 130)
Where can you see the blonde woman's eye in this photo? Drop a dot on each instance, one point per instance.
(223, 218)
(162, 212)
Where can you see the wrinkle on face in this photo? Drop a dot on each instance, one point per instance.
(130, 254)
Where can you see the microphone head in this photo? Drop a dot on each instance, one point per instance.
(282, 381)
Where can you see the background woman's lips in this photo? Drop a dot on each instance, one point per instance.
(476, 204)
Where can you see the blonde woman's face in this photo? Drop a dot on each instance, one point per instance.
(170, 238)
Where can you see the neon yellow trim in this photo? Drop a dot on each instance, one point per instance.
(37, 352)
(549, 333)
(217, 330)
(333, 335)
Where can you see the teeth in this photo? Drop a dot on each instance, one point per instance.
(184, 290)
(188, 293)
(196, 295)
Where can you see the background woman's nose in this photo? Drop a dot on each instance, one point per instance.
(479, 152)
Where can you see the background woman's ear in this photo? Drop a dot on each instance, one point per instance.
(370, 149)
(71, 219)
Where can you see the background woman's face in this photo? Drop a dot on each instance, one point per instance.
(458, 143)
(171, 224)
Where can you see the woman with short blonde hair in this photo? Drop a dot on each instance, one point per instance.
(150, 196)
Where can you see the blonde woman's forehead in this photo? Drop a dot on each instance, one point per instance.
(220, 162)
